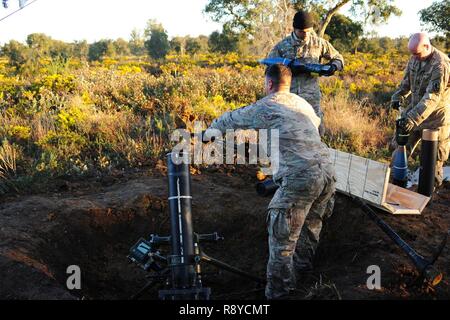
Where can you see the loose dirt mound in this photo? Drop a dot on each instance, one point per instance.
(40, 236)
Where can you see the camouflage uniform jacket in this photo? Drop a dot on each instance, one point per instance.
(300, 147)
(311, 51)
(428, 84)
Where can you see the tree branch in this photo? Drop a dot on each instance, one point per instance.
(330, 14)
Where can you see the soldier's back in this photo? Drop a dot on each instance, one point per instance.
(300, 145)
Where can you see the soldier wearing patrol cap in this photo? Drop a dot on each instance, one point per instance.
(304, 44)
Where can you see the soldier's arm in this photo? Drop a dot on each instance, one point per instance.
(433, 94)
(274, 53)
(243, 118)
(330, 53)
(405, 87)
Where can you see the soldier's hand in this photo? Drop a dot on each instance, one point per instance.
(407, 124)
(395, 105)
(331, 71)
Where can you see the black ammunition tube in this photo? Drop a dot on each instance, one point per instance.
(428, 159)
(266, 188)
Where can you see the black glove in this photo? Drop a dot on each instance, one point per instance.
(332, 70)
(406, 124)
(296, 69)
(395, 105)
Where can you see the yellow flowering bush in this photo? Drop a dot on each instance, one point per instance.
(67, 119)
(124, 69)
(117, 113)
(18, 132)
(58, 83)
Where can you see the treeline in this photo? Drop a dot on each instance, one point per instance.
(154, 42)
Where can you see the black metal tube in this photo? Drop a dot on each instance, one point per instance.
(428, 157)
(266, 188)
(182, 236)
(418, 260)
(424, 266)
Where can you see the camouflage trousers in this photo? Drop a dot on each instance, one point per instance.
(294, 231)
(443, 149)
(314, 101)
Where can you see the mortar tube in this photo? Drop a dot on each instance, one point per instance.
(182, 235)
(428, 159)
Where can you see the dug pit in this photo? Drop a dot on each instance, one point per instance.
(41, 235)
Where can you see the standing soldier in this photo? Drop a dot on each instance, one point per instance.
(304, 44)
(426, 80)
(305, 175)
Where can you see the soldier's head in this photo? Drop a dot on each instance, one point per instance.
(419, 45)
(303, 24)
(278, 78)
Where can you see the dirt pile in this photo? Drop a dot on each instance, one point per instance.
(41, 235)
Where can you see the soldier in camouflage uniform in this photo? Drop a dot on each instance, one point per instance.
(305, 176)
(426, 84)
(307, 47)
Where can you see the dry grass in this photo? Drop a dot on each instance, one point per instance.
(323, 290)
(41, 124)
(8, 165)
(352, 126)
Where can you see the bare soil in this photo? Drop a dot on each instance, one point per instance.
(93, 224)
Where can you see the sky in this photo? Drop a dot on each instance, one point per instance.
(92, 20)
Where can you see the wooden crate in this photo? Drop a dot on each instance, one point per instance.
(369, 180)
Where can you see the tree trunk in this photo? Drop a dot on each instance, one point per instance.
(329, 15)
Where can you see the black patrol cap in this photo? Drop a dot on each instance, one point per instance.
(303, 20)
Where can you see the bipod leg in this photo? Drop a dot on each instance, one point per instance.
(425, 267)
(217, 263)
(137, 295)
(150, 284)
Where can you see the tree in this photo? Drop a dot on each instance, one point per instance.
(121, 47)
(223, 42)
(81, 49)
(136, 43)
(365, 11)
(60, 50)
(401, 45)
(157, 43)
(437, 17)
(203, 41)
(237, 15)
(344, 33)
(386, 43)
(99, 49)
(250, 16)
(193, 45)
(39, 43)
(371, 45)
(259, 23)
(442, 43)
(178, 44)
(16, 52)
